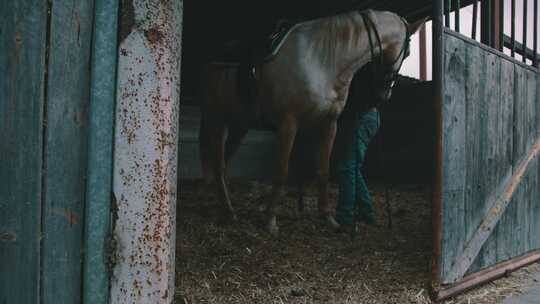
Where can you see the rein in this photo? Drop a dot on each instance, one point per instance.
(370, 27)
(392, 80)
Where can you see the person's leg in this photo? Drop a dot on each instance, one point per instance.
(346, 170)
(368, 126)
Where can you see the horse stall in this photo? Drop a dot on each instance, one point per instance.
(458, 154)
(241, 262)
(486, 201)
(101, 199)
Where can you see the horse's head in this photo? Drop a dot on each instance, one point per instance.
(392, 59)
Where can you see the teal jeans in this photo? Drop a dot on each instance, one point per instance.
(356, 131)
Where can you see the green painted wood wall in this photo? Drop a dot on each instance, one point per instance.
(491, 113)
(22, 70)
(45, 51)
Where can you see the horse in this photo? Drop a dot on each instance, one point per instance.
(303, 87)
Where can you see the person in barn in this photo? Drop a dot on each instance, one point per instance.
(357, 126)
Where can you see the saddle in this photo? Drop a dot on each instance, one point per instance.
(257, 50)
(248, 54)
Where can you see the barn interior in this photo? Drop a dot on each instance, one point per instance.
(240, 263)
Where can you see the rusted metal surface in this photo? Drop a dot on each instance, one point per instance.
(436, 209)
(487, 275)
(145, 160)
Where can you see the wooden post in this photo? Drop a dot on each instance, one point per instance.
(145, 156)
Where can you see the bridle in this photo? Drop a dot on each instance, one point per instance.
(387, 82)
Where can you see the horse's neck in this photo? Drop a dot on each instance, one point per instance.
(343, 47)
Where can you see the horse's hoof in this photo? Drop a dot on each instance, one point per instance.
(228, 218)
(273, 228)
(330, 221)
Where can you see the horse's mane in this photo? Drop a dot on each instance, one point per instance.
(333, 35)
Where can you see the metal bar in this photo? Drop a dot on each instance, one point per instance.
(519, 48)
(501, 25)
(100, 152)
(474, 19)
(485, 23)
(498, 202)
(535, 36)
(456, 12)
(145, 151)
(513, 29)
(497, 24)
(436, 198)
(423, 53)
(487, 275)
(524, 30)
(447, 13)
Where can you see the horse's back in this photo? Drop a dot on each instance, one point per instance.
(220, 87)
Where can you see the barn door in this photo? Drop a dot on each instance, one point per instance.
(490, 184)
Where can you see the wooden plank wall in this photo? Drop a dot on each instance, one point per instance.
(22, 66)
(44, 97)
(491, 118)
(68, 90)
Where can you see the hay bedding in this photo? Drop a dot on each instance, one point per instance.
(307, 263)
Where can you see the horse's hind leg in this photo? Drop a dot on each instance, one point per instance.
(204, 147)
(286, 135)
(234, 139)
(216, 144)
(328, 136)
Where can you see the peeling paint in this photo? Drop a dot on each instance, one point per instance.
(127, 19)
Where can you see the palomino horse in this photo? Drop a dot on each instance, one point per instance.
(303, 87)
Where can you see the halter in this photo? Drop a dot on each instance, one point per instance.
(382, 66)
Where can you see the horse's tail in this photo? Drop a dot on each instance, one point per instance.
(204, 146)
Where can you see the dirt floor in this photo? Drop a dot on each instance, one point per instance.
(307, 263)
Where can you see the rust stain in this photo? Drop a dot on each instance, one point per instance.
(18, 42)
(81, 117)
(8, 236)
(71, 217)
(78, 28)
(153, 35)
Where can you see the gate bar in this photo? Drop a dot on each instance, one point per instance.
(100, 152)
(447, 5)
(535, 37)
(474, 19)
(436, 199)
(524, 31)
(487, 275)
(456, 12)
(513, 30)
